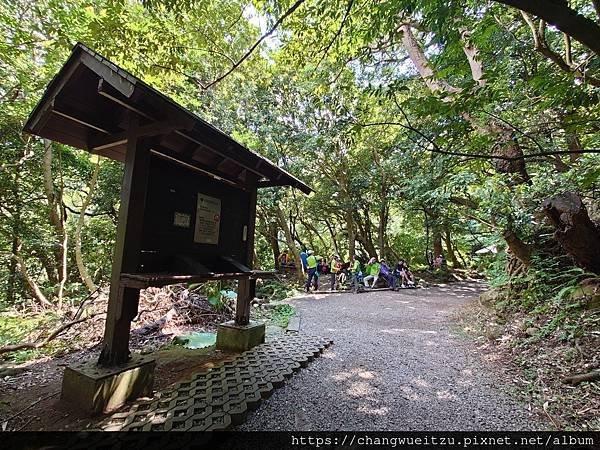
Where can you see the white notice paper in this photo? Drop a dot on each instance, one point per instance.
(208, 220)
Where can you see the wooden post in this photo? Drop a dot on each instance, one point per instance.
(247, 287)
(123, 302)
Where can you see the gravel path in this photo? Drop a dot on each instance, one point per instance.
(395, 364)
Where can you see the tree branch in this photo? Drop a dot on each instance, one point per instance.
(567, 20)
(436, 149)
(338, 32)
(290, 11)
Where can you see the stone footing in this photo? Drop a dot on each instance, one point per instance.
(239, 338)
(97, 389)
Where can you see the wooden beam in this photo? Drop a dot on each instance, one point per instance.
(70, 115)
(247, 287)
(123, 301)
(243, 158)
(105, 91)
(268, 183)
(102, 90)
(113, 140)
(197, 166)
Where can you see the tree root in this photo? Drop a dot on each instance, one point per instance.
(580, 378)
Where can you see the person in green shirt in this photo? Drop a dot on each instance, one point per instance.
(311, 264)
(372, 272)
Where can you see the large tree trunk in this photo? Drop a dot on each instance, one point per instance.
(290, 242)
(575, 231)
(437, 242)
(450, 249)
(57, 219)
(518, 248)
(363, 235)
(351, 235)
(508, 146)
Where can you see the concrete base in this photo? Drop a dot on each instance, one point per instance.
(98, 389)
(239, 338)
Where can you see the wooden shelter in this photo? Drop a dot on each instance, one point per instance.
(188, 197)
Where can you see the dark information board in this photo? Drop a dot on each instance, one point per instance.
(192, 221)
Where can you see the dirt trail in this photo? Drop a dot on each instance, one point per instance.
(396, 364)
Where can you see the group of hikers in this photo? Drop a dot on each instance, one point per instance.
(353, 271)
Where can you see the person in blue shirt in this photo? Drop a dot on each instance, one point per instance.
(303, 258)
(386, 273)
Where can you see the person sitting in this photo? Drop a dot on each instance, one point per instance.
(437, 262)
(343, 274)
(286, 261)
(372, 271)
(387, 275)
(404, 273)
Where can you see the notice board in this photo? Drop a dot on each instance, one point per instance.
(189, 213)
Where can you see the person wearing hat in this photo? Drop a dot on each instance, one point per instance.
(311, 270)
(372, 271)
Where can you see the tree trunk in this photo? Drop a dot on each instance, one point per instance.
(15, 230)
(364, 238)
(46, 259)
(336, 248)
(51, 198)
(518, 248)
(575, 231)
(351, 235)
(85, 276)
(383, 219)
(290, 242)
(274, 243)
(33, 287)
(437, 242)
(449, 249)
(57, 219)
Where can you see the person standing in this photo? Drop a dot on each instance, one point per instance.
(335, 267)
(311, 270)
(303, 258)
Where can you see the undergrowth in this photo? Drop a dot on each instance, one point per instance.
(544, 325)
(275, 290)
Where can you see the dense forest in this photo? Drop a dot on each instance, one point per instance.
(464, 128)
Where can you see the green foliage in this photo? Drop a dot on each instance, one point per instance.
(332, 98)
(281, 314)
(18, 329)
(546, 290)
(216, 292)
(274, 290)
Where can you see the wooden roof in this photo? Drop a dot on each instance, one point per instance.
(89, 104)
